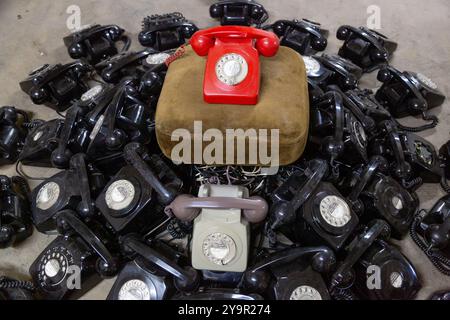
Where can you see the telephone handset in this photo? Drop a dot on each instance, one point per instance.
(431, 232)
(13, 132)
(185, 279)
(367, 48)
(96, 42)
(297, 271)
(70, 189)
(293, 193)
(15, 216)
(304, 36)
(344, 275)
(232, 74)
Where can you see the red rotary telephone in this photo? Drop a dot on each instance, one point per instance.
(232, 73)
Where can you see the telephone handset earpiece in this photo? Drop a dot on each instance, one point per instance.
(376, 163)
(283, 211)
(106, 264)
(86, 206)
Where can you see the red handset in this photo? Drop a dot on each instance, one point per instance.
(232, 74)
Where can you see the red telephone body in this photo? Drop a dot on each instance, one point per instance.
(232, 74)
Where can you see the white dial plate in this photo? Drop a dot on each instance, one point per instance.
(231, 69)
(427, 81)
(47, 196)
(312, 66)
(335, 211)
(119, 195)
(91, 93)
(396, 280)
(134, 290)
(305, 293)
(219, 248)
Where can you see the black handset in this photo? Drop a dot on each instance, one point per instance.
(68, 221)
(300, 282)
(293, 193)
(166, 31)
(185, 279)
(239, 12)
(344, 73)
(69, 189)
(96, 42)
(13, 131)
(304, 36)
(393, 275)
(367, 48)
(344, 275)
(407, 93)
(15, 215)
(56, 86)
(431, 232)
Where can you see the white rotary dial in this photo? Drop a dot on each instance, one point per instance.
(134, 290)
(231, 69)
(305, 293)
(119, 195)
(47, 196)
(335, 211)
(219, 248)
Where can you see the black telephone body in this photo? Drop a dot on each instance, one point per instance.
(239, 12)
(73, 189)
(431, 232)
(441, 296)
(133, 200)
(367, 48)
(366, 102)
(337, 132)
(296, 273)
(399, 279)
(12, 133)
(304, 36)
(326, 218)
(84, 248)
(315, 92)
(40, 143)
(121, 116)
(407, 93)
(374, 195)
(134, 64)
(328, 70)
(166, 31)
(15, 214)
(56, 86)
(444, 156)
(95, 42)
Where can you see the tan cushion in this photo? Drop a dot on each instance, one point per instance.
(283, 103)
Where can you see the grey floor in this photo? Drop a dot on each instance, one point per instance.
(31, 34)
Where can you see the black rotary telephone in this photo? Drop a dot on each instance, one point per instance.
(239, 12)
(304, 36)
(326, 218)
(407, 93)
(69, 189)
(130, 200)
(366, 102)
(367, 48)
(121, 116)
(293, 193)
(166, 31)
(96, 43)
(375, 195)
(431, 232)
(292, 274)
(12, 133)
(344, 276)
(398, 280)
(15, 215)
(140, 279)
(327, 70)
(83, 254)
(56, 86)
(40, 143)
(185, 279)
(133, 64)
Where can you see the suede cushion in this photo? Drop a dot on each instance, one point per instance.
(283, 104)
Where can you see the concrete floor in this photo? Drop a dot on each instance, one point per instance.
(32, 32)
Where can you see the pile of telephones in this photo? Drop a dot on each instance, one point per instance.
(318, 229)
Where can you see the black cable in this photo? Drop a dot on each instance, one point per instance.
(434, 122)
(21, 173)
(6, 283)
